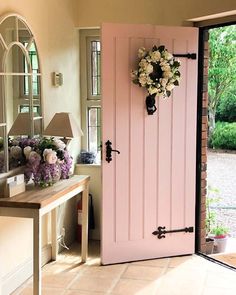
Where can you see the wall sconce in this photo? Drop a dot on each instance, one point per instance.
(57, 79)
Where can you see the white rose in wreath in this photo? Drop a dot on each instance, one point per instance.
(155, 56)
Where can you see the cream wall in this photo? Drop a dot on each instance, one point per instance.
(52, 22)
(91, 13)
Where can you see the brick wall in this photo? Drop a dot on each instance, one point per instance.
(202, 241)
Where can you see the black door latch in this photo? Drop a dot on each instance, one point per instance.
(109, 150)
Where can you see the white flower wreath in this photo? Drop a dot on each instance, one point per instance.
(158, 71)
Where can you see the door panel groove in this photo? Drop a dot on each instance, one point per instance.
(129, 63)
(114, 132)
(185, 134)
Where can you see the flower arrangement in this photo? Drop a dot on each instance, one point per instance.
(16, 147)
(46, 159)
(158, 72)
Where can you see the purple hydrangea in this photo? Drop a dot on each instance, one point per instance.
(41, 169)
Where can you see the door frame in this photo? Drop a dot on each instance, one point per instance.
(202, 110)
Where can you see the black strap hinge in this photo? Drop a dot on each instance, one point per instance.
(161, 231)
(187, 55)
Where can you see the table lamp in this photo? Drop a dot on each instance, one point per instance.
(63, 125)
(23, 126)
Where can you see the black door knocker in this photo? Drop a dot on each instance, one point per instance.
(150, 104)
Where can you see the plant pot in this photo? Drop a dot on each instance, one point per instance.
(220, 244)
(209, 245)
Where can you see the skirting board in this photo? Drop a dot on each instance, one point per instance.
(19, 275)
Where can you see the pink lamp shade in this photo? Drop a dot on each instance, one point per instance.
(63, 125)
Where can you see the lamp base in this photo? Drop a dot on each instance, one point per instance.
(66, 140)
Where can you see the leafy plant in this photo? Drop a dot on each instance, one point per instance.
(220, 231)
(212, 198)
(224, 136)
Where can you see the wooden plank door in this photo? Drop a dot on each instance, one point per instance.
(151, 182)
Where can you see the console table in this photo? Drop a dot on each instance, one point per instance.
(36, 202)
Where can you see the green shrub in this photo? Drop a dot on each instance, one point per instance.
(224, 136)
(226, 110)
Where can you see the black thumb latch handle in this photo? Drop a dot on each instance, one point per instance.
(109, 150)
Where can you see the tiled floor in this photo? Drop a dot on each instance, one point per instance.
(189, 275)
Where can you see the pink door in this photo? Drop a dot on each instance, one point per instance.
(151, 183)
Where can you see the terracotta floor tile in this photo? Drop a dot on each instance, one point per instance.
(45, 291)
(142, 272)
(61, 280)
(180, 286)
(110, 271)
(176, 261)
(218, 291)
(87, 283)
(77, 292)
(221, 281)
(163, 262)
(187, 275)
(134, 287)
(57, 267)
(93, 261)
(184, 272)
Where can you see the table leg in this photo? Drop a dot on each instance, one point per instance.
(84, 245)
(37, 280)
(54, 233)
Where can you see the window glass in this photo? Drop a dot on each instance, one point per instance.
(25, 109)
(94, 129)
(95, 68)
(35, 69)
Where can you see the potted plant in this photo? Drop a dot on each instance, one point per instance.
(220, 237)
(211, 199)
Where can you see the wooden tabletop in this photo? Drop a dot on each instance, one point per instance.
(37, 197)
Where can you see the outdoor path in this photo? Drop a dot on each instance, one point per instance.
(221, 174)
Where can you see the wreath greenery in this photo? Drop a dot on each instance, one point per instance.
(158, 71)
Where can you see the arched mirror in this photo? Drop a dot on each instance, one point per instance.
(20, 87)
